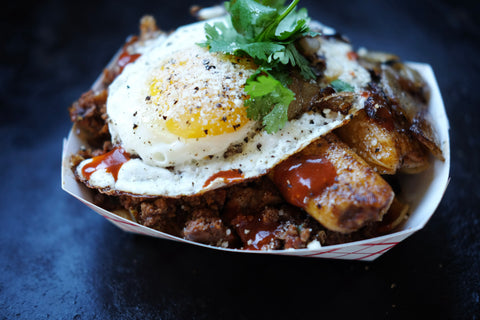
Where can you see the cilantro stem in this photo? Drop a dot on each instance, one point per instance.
(268, 30)
(288, 10)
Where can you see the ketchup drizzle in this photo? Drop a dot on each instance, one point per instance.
(111, 161)
(254, 232)
(126, 58)
(304, 177)
(227, 176)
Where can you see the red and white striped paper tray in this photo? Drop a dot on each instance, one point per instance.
(423, 192)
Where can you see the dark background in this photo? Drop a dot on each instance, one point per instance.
(60, 260)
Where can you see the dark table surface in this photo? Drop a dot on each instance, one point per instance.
(60, 260)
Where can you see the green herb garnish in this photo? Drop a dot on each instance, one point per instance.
(340, 86)
(266, 31)
(265, 91)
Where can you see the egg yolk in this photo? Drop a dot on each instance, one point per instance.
(200, 94)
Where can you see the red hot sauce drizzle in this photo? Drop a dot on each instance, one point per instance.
(302, 178)
(255, 233)
(111, 161)
(228, 176)
(126, 58)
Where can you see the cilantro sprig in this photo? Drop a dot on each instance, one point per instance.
(265, 30)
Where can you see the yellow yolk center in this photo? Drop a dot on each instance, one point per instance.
(197, 93)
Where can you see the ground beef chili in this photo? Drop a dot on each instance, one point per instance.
(249, 215)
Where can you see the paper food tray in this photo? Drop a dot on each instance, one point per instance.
(423, 192)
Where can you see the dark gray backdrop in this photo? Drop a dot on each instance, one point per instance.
(60, 260)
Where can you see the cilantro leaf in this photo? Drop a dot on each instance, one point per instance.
(270, 31)
(250, 18)
(293, 23)
(277, 4)
(268, 100)
(291, 56)
(222, 38)
(260, 50)
(277, 118)
(340, 85)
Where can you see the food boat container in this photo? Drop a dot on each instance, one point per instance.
(423, 192)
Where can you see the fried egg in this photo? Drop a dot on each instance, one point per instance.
(178, 112)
